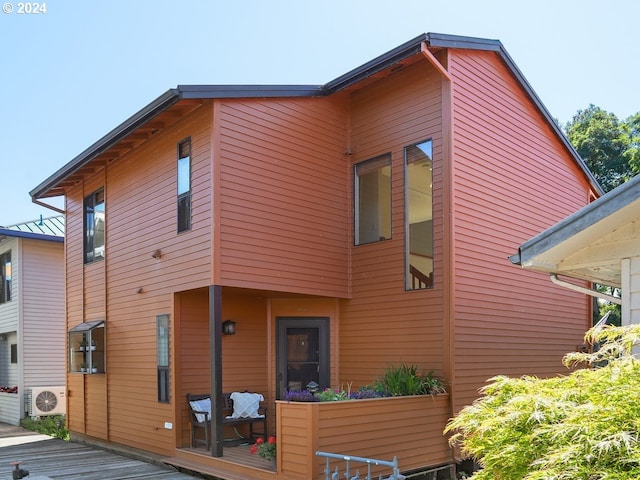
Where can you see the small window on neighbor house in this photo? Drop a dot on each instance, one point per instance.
(419, 215)
(14, 353)
(5, 277)
(162, 340)
(372, 200)
(94, 227)
(184, 185)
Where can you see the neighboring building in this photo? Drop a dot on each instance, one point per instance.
(600, 243)
(352, 225)
(32, 319)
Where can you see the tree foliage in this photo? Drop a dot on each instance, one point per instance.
(633, 151)
(582, 426)
(609, 147)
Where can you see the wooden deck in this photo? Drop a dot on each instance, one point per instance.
(237, 463)
(49, 458)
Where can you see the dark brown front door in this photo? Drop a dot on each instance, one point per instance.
(302, 353)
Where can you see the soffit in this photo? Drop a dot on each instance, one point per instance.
(130, 141)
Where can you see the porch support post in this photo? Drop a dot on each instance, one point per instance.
(215, 347)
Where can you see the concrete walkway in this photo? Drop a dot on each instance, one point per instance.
(47, 458)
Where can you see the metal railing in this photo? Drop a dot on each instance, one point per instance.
(369, 462)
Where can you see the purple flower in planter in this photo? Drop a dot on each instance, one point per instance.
(301, 396)
(365, 393)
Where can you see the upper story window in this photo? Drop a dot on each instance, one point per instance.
(5, 277)
(94, 218)
(184, 185)
(419, 215)
(372, 191)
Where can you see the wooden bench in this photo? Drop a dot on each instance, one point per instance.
(202, 419)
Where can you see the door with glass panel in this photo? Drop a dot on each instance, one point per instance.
(302, 353)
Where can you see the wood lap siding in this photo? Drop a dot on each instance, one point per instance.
(74, 265)
(244, 355)
(408, 428)
(75, 403)
(96, 406)
(283, 200)
(142, 190)
(512, 179)
(192, 335)
(382, 321)
(74, 257)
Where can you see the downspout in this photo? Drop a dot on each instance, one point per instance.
(42, 204)
(587, 291)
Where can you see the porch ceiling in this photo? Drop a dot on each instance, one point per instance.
(590, 244)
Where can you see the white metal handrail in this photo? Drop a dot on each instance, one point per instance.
(369, 462)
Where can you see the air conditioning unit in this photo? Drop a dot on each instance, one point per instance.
(48, 401)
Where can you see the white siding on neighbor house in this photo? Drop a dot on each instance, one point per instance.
(630, 272)
(10, 404)
(9, 312)
(10, 408)
(44, 329)
(9, 372)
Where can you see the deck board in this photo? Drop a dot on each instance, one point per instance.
(58, 459)
(237, 463)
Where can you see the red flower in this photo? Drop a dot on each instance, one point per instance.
(267, 450)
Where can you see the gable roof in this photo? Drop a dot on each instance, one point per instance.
(590, 243)
(182, 94)
(51, 229)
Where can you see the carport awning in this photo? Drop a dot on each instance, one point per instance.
(591, 243)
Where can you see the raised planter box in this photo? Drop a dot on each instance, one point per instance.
(408, 428)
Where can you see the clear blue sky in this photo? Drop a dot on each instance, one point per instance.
(70, 75)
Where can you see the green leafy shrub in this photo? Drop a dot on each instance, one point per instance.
(331, 395)
(582, 426)
(53, 425)
(402, 380)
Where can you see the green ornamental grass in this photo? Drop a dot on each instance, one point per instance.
(582, 426)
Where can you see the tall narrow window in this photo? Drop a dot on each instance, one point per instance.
(419, 215)
(373, 200)
(162, 340)
(5, 277)
(94, 226)
(184, 185)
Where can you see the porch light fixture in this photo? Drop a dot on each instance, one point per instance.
(229, 327)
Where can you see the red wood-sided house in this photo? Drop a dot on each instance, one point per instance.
(342, 228)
